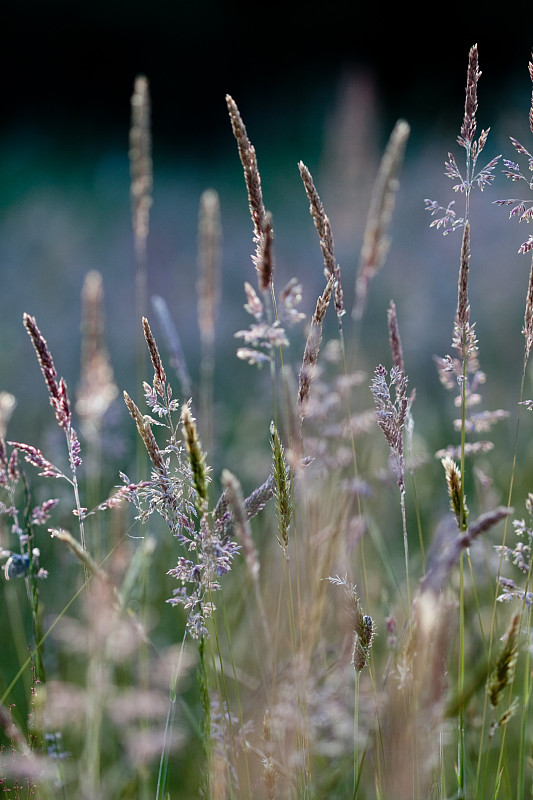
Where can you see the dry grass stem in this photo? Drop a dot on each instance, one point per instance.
(209, 261)
(97, 389)
(140, 164)
(86, 559)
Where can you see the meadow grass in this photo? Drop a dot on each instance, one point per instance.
(358, 624)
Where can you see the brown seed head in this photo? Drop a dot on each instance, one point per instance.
(159, 373)
(473, 75)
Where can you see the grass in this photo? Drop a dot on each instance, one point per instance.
(357, 624)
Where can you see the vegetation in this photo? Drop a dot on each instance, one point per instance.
(348, 628)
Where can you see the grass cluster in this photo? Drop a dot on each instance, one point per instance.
(355, 625)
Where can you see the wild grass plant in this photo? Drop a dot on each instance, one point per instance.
(358, 624)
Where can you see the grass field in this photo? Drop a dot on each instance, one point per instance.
(295, 573)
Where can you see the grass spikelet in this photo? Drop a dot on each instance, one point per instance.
(455, 491)
(468, 128)
(261, 221)
(196, 458)
(283, 487)
(160, 378)
(56, 389)
(312, 348)
(463, 306)
(376, 242)
(503, 672)
(322, 224)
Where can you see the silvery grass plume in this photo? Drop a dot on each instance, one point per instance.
(448, 219)
(178, 491)
(393, 417)
(376, 241)
(261, 333)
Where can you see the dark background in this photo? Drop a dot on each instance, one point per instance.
(66, 63)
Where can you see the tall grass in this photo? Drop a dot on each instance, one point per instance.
(352, 627)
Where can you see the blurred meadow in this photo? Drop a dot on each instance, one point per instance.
(66, 212)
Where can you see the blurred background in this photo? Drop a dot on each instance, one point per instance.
(324, 85)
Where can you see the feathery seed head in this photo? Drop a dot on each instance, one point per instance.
(455, 491)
